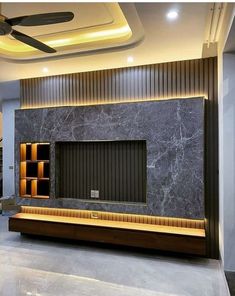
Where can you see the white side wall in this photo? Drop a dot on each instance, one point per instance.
(8, 117)
(228, 167)
(9, 90)
(226, 86)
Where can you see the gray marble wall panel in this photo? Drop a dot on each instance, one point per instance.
(173, 129)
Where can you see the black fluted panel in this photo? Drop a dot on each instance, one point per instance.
(116, 168)
(211, 158)
(148, 82)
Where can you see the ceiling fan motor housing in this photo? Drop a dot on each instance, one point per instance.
(5, 28)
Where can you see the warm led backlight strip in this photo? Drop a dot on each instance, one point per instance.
(118, 30)
(93, 103)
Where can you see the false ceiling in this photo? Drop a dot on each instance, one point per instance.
(152, 37)
(93, 25)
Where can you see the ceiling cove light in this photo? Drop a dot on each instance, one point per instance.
(172, 15)
(130, 59)
(104, 34)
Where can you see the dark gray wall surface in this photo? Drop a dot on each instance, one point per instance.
(173, 129)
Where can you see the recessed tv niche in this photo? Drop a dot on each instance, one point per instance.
(101, 170)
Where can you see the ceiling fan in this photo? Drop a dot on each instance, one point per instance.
(6, 25)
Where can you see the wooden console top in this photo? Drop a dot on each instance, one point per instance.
(114, 224)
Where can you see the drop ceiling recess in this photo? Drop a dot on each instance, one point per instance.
(104, 23)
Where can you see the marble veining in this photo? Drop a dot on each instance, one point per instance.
(174, 133)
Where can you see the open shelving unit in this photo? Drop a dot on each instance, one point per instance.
(35, 170)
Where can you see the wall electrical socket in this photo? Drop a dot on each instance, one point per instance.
(95, 194)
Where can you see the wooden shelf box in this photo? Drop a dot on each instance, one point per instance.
(35, 170)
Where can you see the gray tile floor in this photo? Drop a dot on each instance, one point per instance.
(31, 266)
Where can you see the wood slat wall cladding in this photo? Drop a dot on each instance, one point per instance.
(116, 168)
(149, 82)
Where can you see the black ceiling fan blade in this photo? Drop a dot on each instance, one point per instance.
(32, 42)
(41, 19)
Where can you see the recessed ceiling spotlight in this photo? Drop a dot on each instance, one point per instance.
(45, 70)
(172, 15)
(130, 59)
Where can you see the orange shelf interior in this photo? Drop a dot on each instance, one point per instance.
(29, 184)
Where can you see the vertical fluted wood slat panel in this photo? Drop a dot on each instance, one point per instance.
(116, 169)
(150, 82)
